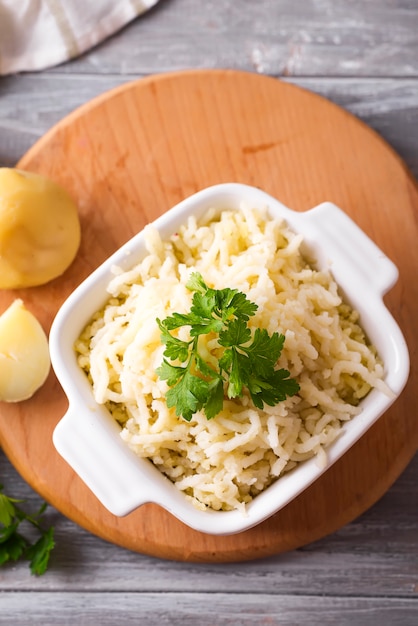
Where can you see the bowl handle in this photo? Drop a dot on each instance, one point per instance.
(345, 242)
(88, 440)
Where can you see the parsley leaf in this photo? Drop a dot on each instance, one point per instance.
(14, 545)
(247, 361)
(188, 394)
(236, 333)
(39, 552)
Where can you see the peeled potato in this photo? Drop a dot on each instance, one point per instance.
(39, 229)
(24, 354)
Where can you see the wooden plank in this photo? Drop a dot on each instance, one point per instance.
(31, 104)
(189, 608)
(326, 38)
(375, 556)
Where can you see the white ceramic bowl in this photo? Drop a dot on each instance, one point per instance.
(88, 438)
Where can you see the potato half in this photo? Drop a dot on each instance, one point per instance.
(24, 354)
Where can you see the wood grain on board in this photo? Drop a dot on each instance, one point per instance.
(131, 154)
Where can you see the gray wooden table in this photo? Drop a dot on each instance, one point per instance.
(363, 55)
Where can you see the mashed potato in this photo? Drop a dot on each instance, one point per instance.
(224, 462)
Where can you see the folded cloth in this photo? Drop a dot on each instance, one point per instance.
(35, 34)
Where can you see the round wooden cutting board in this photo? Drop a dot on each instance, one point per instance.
(130, 155)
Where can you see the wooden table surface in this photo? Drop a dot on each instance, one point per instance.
(362, 55)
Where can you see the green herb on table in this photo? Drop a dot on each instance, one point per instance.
(247, 360)
(14, 545)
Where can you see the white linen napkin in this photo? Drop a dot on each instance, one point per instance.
(36, 34)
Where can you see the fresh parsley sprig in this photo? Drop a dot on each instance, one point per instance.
(247, 361)
(14, 545)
